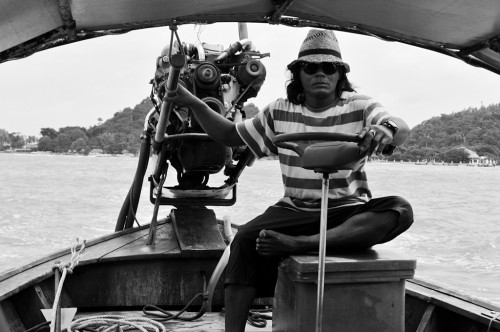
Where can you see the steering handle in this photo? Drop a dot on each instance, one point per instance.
(287, 141)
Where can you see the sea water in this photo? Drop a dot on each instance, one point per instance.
(47, 201)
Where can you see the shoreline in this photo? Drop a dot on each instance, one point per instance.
(370, 161)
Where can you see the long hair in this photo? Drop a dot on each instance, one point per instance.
(295, 90)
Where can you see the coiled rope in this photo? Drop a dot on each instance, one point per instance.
(103, 323)
(258, 317)
(112, 323)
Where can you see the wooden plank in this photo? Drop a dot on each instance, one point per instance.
(65, 252)
(451, 303)
(41, 296)
(414, 310)
(27, 278)
(29, 301)
(379, 259)
(160, 281)
(427, 324)
(449, 292)
(165, 244)
(28, 275)
(198, 232)
(9, 319)
(97, 253)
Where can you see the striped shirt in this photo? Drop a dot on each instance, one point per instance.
(303, 187)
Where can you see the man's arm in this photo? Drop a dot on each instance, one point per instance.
(214, 124)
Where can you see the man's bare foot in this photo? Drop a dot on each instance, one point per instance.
(271, 243)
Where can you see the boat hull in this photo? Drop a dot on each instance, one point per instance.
(121, 273)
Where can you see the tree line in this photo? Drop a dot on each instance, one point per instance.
(14, 140)
(441, 138)
(118, 135)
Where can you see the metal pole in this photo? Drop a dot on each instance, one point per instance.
(177, 62)
(322, 252)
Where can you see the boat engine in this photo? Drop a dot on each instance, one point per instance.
(224, 79)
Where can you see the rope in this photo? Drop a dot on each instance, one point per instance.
(108, 323)
(40, 327)
(105, 323)
(257, 317)
(65, 269)
(164, 316)
(74, 259)
(493, 318)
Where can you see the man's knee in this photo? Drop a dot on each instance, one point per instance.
(403, 209)
(244, 239)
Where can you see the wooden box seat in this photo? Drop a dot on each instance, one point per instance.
(364, 291)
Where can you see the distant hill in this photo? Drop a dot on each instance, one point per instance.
(439, 138)
(131, 121)
(472, 128)
(123, 130)
(477, 129)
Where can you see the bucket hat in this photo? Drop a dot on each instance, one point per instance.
(320, 46)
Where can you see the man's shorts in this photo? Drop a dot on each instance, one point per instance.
(247, 267)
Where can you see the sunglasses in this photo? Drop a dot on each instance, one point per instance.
(311, 68)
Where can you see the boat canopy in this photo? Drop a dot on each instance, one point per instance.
(465, 29)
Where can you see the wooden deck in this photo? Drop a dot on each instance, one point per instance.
(209, 322)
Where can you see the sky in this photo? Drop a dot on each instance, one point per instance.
(79, 83)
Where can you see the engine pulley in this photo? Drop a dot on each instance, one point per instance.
(207, 76)
(252, 70)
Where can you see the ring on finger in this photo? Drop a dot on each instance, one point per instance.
(373, 132)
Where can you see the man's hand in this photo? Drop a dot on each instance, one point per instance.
(374, 139)
(182, 96)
